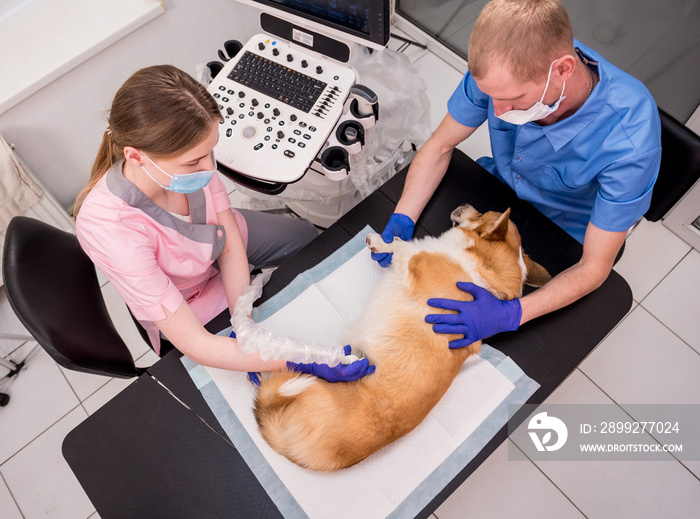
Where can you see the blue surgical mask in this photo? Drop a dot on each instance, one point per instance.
(183, 182)
(537, 111)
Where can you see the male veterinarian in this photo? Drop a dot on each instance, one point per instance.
(570, 133)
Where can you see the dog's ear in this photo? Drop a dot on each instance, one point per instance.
(499, 229)
(537, 275)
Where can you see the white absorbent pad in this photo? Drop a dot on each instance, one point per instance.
(399, 480)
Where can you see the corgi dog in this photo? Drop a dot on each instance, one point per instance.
(326, 427)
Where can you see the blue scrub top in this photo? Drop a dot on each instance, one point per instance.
(597, 165)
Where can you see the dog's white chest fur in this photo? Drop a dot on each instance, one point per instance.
(389, 296)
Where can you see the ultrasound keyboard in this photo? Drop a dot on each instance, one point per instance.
(277, 81)
(279, 105)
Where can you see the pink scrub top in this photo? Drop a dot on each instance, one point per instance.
(154, 259)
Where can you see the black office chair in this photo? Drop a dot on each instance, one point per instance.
(678, 171)
(52, 286)
(680, 166)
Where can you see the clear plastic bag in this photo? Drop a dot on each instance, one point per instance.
(253, 338)
(404, 116)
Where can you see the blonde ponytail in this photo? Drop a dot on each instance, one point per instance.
(106, 156)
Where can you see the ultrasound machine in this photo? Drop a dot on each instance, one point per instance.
(289, 99)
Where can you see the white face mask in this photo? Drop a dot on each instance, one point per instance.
(537, 111)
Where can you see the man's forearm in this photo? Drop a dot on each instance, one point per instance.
(429, 166)
(426, 171)
(562, 290)
(599, 251)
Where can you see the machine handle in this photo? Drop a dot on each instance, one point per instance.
(261, 186)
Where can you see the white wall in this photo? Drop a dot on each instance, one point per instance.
(57, 130)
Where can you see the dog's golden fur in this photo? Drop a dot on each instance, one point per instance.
(324, 426)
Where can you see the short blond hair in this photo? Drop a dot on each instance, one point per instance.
(526, 35)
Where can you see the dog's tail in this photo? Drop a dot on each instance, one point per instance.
(282, 388)
(276, 394)
(310, 421)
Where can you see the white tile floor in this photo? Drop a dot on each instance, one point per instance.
(652, 356)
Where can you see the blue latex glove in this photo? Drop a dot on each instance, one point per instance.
(254, 377)
(485, 316)
(399, 225)
(339, 373)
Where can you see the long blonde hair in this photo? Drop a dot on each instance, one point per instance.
(159, 110)
(526, 35)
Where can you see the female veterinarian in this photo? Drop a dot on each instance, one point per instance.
(571, 133)
(156, 220)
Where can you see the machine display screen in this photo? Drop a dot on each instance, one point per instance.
(366, 20)
(353, 15)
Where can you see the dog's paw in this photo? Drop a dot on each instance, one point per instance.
(349, 359)
(464, 213)
(376, 244)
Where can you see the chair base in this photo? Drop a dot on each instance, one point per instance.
(14, 367)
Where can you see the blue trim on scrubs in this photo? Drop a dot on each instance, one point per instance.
(597, 165)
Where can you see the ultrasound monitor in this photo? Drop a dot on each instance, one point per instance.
(310, 23)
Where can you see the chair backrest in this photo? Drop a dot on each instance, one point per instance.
(680, 166)
(52, 286)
